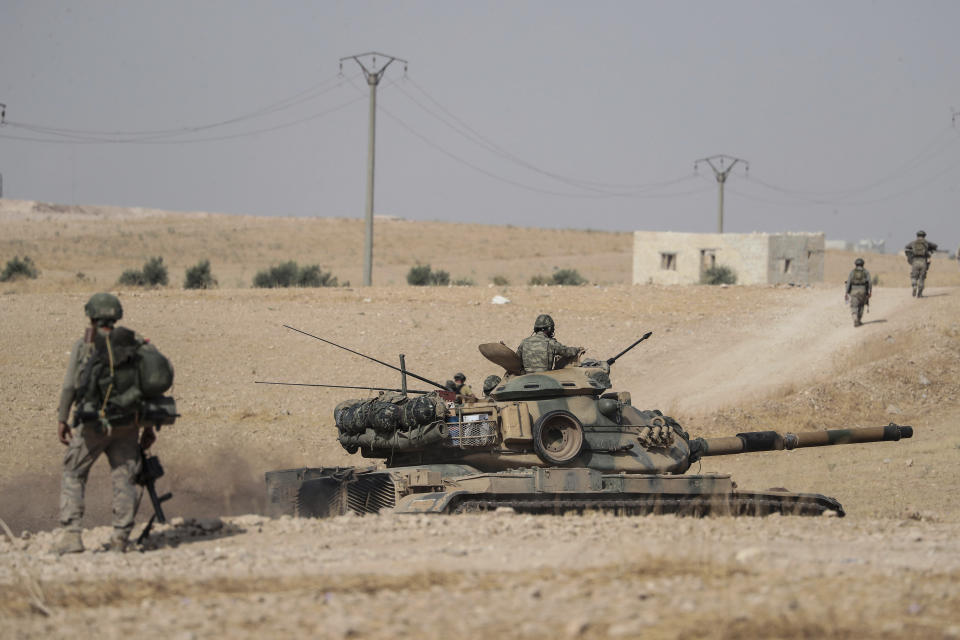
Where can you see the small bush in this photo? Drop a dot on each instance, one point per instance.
(500, 281)
(132, 278)
(422, 275)
(569, 277)
(464, 282)
(199, 276)
(17, 268)
(290, 274)
(719, 274)
(155, 272)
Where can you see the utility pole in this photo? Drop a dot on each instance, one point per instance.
(373, 76)
(721, 174)
(3, 121)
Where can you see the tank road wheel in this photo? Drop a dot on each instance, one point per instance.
(558, 437)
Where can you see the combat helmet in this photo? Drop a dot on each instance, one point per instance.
(858, 262)
(103, 308)
(543, 323)
(459, 376)
(921, 234)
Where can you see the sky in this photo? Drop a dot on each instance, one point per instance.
(586, 115)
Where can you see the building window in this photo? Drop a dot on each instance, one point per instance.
(708, 259)
(787, 265)
(668, 261)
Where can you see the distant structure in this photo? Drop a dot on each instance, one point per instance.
(867, 245)
(667, 257)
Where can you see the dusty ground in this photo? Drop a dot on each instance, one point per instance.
(721, 360)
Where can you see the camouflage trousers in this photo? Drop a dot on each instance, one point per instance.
(918, 274)
(858, 300)
(123, 453)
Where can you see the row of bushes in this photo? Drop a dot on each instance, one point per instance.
(423, 275)
(290, 274)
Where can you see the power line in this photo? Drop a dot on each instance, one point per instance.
(721, 171)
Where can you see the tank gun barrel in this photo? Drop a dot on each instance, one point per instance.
(773, 441)
(644, 337)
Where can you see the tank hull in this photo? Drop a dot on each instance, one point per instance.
(446, 489)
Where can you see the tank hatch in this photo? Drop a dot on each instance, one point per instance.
(569, 381)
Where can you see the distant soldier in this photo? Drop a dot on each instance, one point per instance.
(540, 352)
(918, 254)
(459, 386)
(859, 290)
(86, 441)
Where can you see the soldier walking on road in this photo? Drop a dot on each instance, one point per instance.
(540, 352)
(859, 290)
(918, 254)
(85, 441)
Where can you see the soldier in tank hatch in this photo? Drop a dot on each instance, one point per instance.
(541, 352)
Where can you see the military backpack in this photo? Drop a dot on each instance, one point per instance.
(123, 381)
(858, 277)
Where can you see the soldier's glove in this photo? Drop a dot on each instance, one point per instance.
(147, 438)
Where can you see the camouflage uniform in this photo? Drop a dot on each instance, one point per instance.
(540, 352)
(87, 442)
(859, 289)
(918, 254)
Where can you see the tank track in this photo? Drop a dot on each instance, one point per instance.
(694, 506)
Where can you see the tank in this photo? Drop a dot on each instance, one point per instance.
(551, 442)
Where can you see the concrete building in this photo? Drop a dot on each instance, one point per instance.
(666, 257)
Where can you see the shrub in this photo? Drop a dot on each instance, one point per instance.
(155, 272)
(290, 274)
(500, 281)
(199, 276)
(569, 277)
(132, 278)
(17, 268)
(422, 275)
(719, 274)
(464, 282)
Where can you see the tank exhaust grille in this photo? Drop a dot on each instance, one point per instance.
(371, 493)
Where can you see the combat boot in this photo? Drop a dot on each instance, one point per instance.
(69, 542)
(118, 542)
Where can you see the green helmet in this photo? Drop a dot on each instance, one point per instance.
(921, 234)
(858, 262)
(103, 306)
(490, 383)
(460, 376)
(543, 323)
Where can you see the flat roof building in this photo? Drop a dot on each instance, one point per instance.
(668, 257)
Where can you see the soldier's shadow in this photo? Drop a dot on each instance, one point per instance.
(877, 321)
(934, 295)
(187, 531)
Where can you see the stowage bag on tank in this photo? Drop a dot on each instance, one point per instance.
(422, 436)
(422, 410)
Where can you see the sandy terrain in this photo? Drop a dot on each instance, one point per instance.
(721, 360)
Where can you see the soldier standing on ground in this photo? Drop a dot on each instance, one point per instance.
(859, 290)
(540, 352)
(86, 441)
(918, 254)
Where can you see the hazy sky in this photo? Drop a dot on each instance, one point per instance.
(544, 114)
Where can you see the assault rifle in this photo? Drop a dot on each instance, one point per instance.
(150, 471)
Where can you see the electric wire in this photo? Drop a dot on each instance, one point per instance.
(151, 135)
(476, 137)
